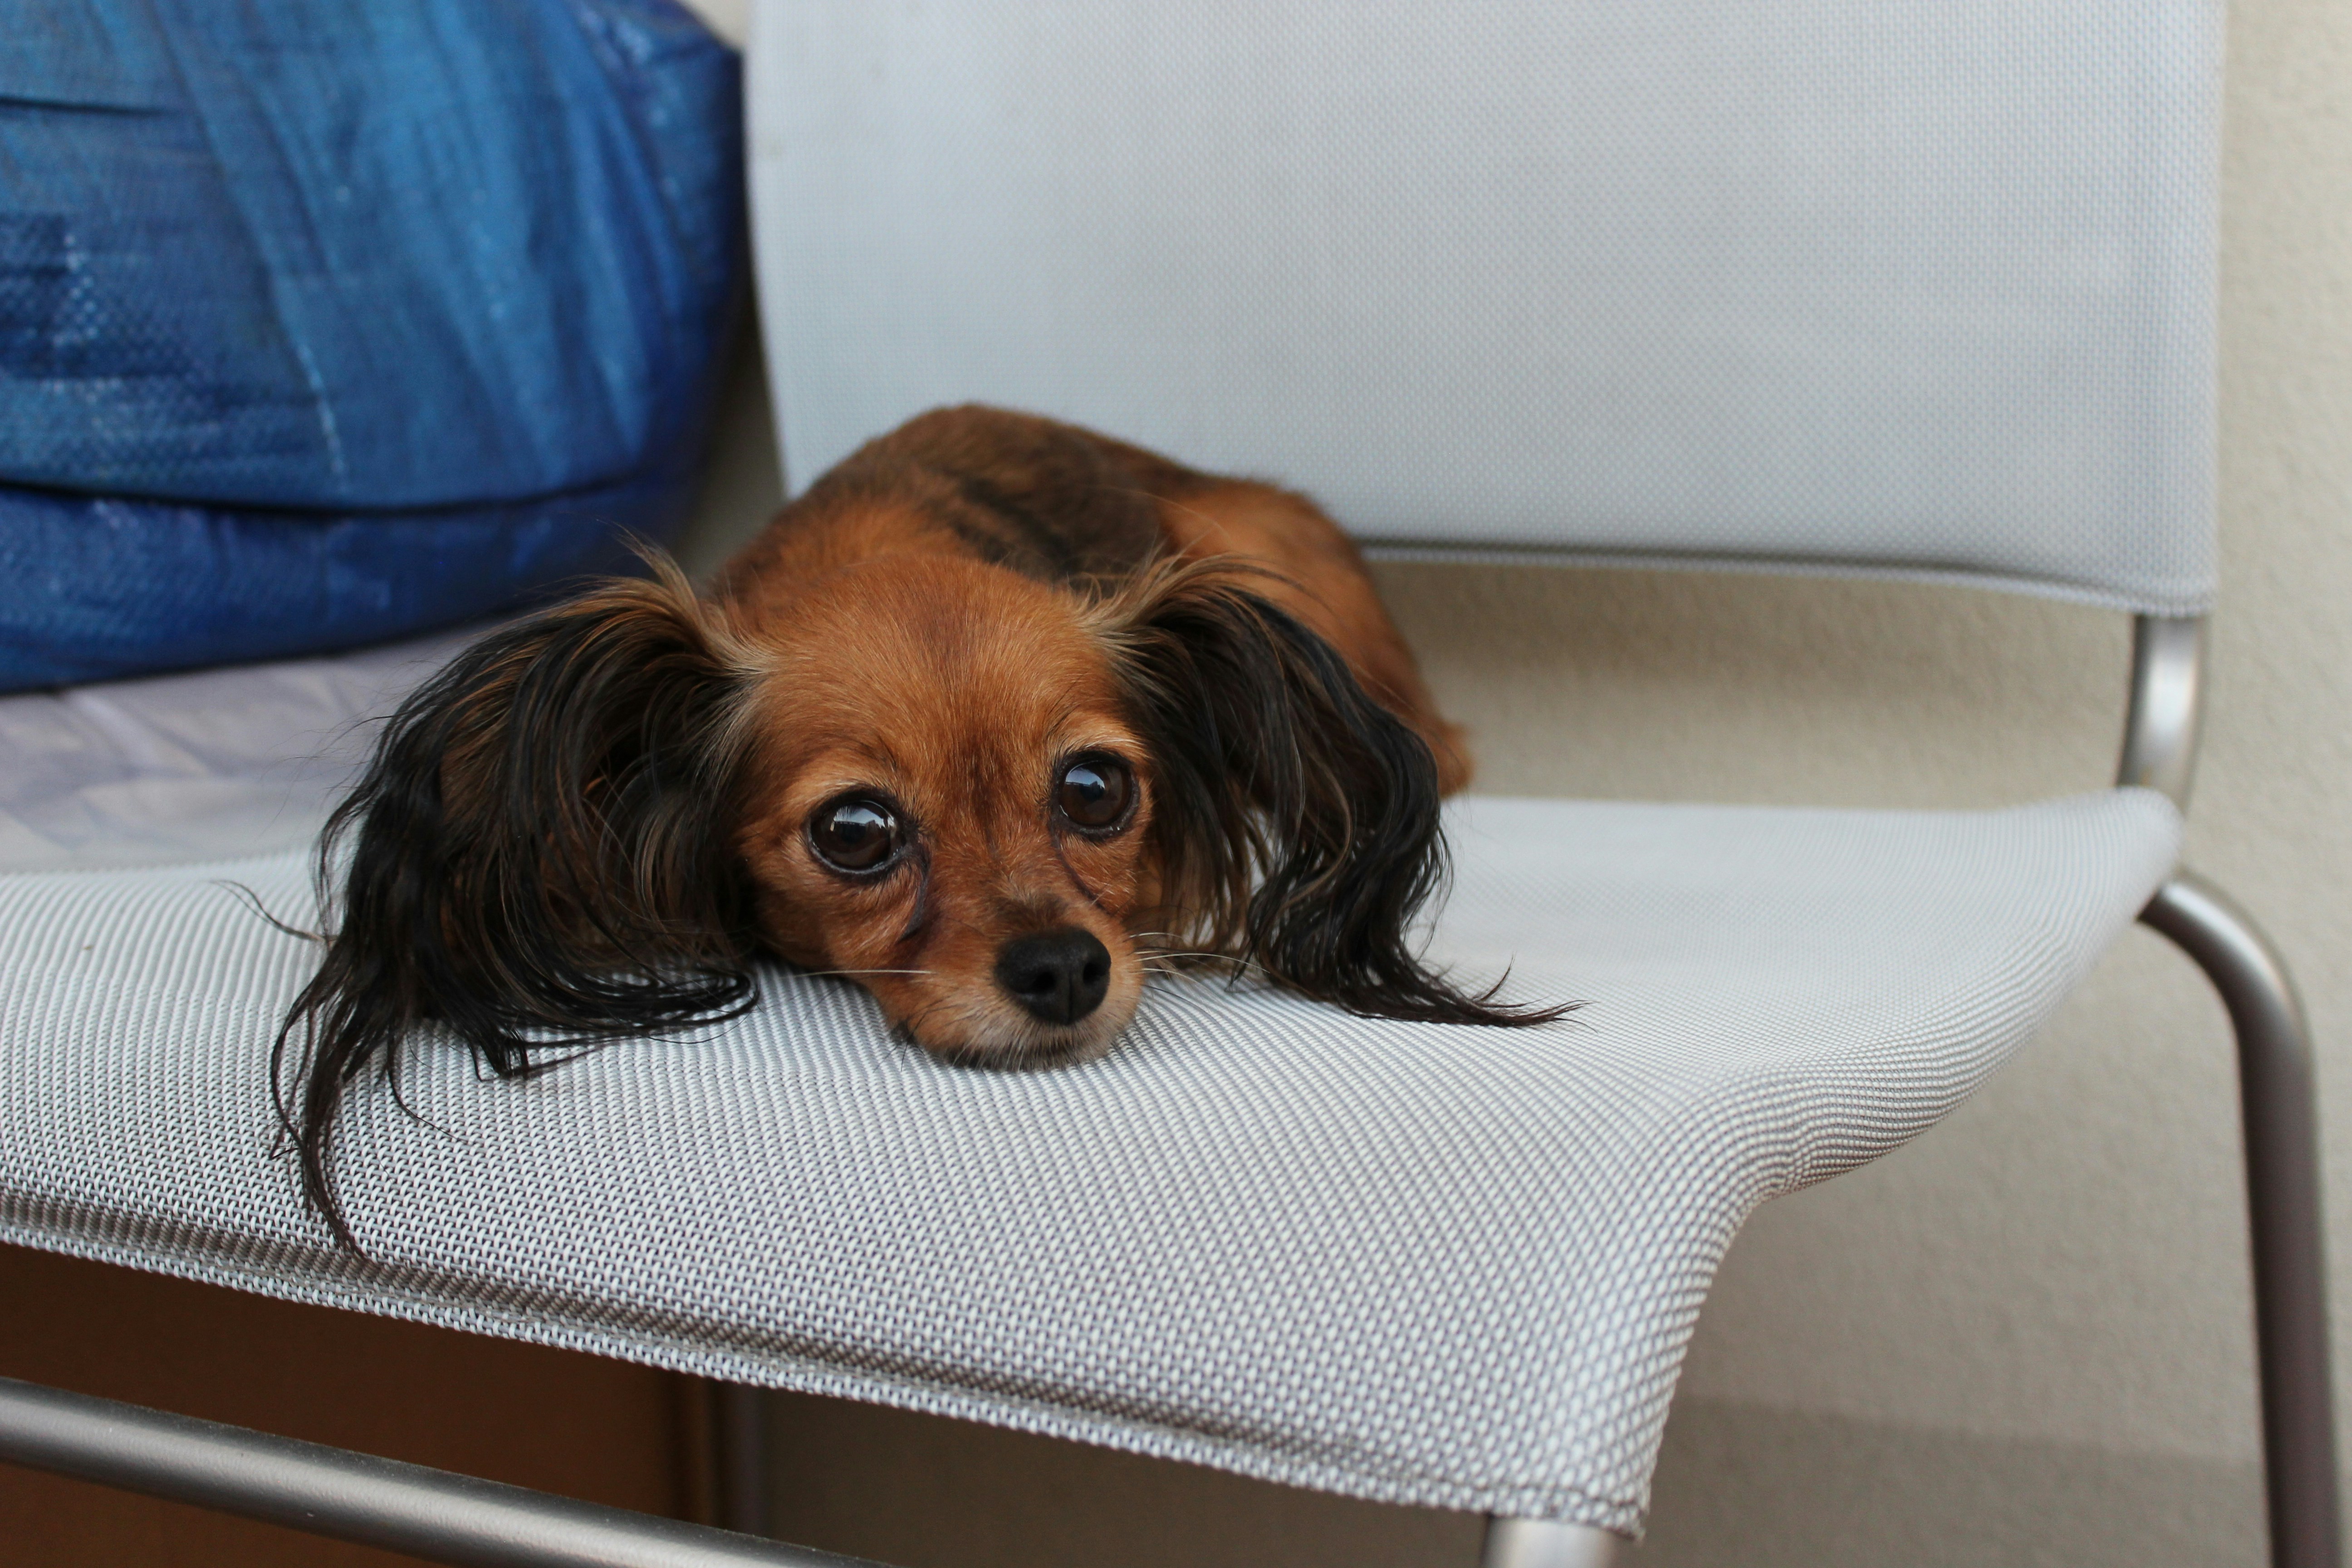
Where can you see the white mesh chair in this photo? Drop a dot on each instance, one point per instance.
(1901, 288)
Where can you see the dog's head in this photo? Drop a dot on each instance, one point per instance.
(993, 802)
(946, 797)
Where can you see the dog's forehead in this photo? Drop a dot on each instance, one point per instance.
(924, 624)
(935, 660)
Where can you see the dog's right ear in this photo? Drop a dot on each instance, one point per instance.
(1295, 818)
(539, 852)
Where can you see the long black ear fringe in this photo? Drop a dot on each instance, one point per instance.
(1297, 819)
(538, 853)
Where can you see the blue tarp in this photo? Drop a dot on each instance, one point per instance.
(324, 323)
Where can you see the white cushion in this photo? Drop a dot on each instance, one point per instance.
(193, 766)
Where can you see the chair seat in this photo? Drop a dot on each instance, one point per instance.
(1440, 1266)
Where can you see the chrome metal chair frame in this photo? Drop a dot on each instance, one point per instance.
(458, 1518)
(2276, 1111)
(2281, 1131)
(357, 1497)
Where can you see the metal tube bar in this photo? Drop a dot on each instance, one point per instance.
(2281, 1150)
(1545, 1543)
(742, 1443)
(357, 1497)
(2167, 703)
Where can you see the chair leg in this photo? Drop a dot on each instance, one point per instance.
(1540, 1543)
(2282, 1147)
(739, 1414)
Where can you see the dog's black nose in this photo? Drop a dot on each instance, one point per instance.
(1059, 975)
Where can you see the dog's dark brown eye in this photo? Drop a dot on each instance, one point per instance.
(1095, 792)
(854, 834)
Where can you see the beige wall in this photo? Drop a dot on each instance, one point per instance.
(2026, 1337)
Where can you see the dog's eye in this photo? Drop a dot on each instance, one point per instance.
(1095, 792)
(854, 834)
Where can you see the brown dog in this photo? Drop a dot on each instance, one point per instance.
(997, 716)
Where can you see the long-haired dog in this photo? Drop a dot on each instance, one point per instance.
(995, 718)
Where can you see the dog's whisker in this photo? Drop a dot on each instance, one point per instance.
(1211, 957)
(252, 900)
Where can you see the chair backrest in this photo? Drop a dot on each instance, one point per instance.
(1913, 286)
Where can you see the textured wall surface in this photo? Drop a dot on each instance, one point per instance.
(2025, 1337)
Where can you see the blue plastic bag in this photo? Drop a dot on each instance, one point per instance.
(320, 323)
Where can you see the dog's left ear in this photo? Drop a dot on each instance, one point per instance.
(537, 854)
(1296, 819)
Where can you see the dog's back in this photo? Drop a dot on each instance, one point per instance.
(1065, 506)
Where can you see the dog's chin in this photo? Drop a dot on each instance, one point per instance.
(1011, 1042)
(1022, 1055)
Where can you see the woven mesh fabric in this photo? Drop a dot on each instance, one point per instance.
(1921, 286)
(1448, 1266)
